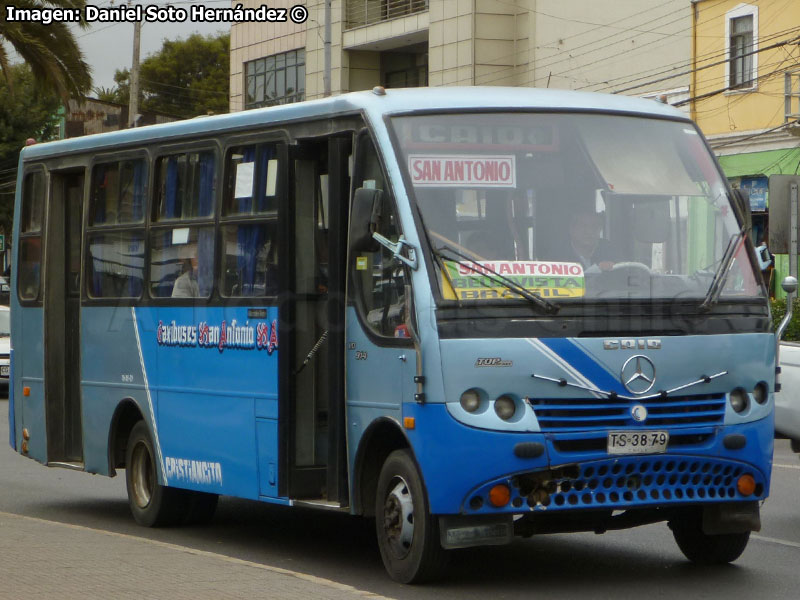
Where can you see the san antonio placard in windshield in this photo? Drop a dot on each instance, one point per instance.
(484, 280)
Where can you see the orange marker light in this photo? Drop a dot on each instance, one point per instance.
(500, 495)
(409, 422)
(746, 485)
(26, 391)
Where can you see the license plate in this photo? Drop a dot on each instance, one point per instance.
(4, 371)
(637, 442)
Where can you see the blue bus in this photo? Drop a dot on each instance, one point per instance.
(467, 313)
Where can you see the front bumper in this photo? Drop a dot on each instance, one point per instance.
(461, 463)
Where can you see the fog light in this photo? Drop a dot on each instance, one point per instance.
(500, 495)
(746, 485)
(760, 392)
(470, 400)
(738, 398)
(505, 407)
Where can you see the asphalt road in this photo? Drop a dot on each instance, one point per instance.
(638, 563)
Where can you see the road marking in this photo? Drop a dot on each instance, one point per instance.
(230, 559)
(775, 541)
(786, 466)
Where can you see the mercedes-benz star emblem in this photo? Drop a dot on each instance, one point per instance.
(638, 374)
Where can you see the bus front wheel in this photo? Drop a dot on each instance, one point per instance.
(152, 504)
(706, 549)
(408, 535)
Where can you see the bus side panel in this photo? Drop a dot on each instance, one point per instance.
(28, 334)
(111, 372)
(213, 377)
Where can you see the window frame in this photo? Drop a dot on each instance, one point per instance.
(154, 217)
(279, 139)
(212, 220)
(117, 159)
(742, 10)
(41, 233)
(89, 228)
(355, 293)
(250, 73)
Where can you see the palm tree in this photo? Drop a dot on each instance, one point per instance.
(51, 50)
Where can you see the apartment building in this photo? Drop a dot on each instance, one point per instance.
(639, 47)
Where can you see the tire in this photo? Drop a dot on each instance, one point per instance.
(152, 504)
(408, 535)
(705, 549)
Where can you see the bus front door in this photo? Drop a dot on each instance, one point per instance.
(314, 367)
(62, 318)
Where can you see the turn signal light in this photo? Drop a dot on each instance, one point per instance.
(746, 485)
(500, 495)
(26, 391)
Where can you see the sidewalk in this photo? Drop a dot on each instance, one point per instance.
(46, 559)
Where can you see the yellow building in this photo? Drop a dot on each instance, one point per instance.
(745, 89)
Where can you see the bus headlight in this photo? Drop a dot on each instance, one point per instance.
(470, 400)
(761, 392)
(738, 399)
(505, 407)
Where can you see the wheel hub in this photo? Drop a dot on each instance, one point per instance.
(398, 518)
(142, 475)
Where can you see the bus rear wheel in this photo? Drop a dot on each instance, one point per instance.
(152, 504)
(408, 535)
(705, 549)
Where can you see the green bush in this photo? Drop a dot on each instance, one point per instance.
(792, 333)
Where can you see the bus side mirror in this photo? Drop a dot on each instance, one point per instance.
(364, 219)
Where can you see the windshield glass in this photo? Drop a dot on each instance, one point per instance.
(572, 206)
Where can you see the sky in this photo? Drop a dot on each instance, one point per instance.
(109, 46)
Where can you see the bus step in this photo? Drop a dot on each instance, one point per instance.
(323, 504)
(74, 466)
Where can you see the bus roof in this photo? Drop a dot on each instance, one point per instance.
(374, 105)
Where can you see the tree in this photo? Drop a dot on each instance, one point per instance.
(23, 114)
(119, 93)
(51, 50)
(185, 78)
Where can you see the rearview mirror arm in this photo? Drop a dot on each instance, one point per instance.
(397, 248)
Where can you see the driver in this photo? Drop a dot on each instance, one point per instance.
(586, 244)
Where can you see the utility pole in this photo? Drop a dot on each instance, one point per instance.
(133, 106)
(326, 74)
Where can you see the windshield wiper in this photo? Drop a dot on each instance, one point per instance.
(479, 270)
(721, 274)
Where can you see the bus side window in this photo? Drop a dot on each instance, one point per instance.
(177, 252)
(116, 260)
(249, 232)
(117, 196)
(30, 244)
(380, 280)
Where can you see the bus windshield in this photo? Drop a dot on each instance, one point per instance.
(573, 206)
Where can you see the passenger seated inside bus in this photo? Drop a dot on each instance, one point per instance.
(186, 285)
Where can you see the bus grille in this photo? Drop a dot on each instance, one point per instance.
(620, 483)
(559, 414)
(633, 481)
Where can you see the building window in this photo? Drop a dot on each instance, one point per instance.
(742, 42)
(277, 79)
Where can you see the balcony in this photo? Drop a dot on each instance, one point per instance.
(359, 13)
